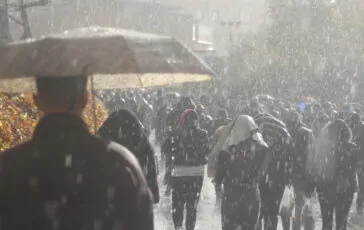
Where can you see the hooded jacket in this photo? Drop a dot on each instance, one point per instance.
(124, 128)
(235, 132)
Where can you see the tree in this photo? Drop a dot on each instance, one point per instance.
(7, 11)
(19, 116)
(313, 49)
(4, 23)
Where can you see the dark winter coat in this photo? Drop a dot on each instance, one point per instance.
(231, 164)
(341, 157)
(346, 159)
(336, 191)
(66, 178)
(280, 145)
(302, 139)
(238, 171)
(187, 147)
(124, 128)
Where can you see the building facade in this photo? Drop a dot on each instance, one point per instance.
(148, 17)
(204, 25)
(221, 23)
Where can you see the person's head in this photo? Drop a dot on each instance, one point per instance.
(357, 111)
(186, 103)
(189, 119)
(255, 107)
(61, 94)
(292, 118)
(204, 100)
(327, 106)
(316, 108)
(354, 118)
(245, 133)
(159, 93)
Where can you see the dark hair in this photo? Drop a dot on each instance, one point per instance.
(61, 90)
(186, 103)
(355, 117)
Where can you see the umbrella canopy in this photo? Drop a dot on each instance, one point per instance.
(127, 58)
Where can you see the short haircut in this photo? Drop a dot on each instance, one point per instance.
(61, 91)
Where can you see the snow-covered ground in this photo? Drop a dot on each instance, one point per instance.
(208, 216)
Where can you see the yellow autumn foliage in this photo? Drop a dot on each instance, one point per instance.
(19, 116)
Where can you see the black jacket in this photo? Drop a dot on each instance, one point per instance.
(124, 128)
(64, 177)
(302, 139)
(186, 147)
(346, 162)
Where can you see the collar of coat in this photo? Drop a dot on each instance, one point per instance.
(59, 124)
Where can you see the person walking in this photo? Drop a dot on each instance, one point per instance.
(67, 179)
(242, 160)
(124, 128)
(186, 151)
(336, 180)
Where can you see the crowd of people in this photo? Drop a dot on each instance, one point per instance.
(253, 152)
(66, 178)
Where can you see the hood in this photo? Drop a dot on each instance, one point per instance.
(242, 129)
(188, 116)
(186, 103)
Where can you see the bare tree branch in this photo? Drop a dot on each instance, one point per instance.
(15, 19)
(24, 17)
(18, 7)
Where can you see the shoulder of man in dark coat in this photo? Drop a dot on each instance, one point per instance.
(13, 157)
(115, 148)
(26, 148)
(134, 192)
(17, 159)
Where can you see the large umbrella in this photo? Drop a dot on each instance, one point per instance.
(129, 59)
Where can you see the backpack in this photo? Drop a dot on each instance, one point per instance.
(280, 146)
